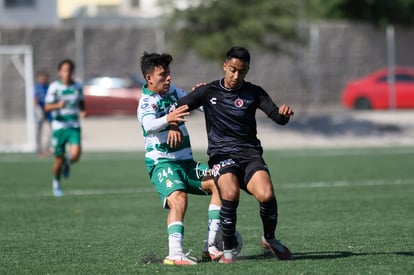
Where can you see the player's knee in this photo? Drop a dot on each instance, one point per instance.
(177, 199)
(209, 186)
(75, 156)
(264, 194)
(229, 187)
(75, 153)
(230, 193)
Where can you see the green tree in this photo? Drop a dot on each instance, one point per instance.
(379, 12)
(216, 25)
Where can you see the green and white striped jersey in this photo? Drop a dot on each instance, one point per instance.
(152, 111)
(68, 116)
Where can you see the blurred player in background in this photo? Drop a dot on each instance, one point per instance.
(64, 99)
(235, 152)
(171, 168)
(42, 118)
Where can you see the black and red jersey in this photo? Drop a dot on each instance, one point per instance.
(230, 116)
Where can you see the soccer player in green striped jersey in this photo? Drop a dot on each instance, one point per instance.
(169, 158)
(64, 99)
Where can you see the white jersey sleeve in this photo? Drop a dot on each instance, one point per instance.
(51, 93)
(147, 116)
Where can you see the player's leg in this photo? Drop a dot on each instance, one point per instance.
(75, 146)
(48, 143)
(230, 193)
(75, 151)
(74, 141)
(177, 203)
(56, 183)
(225, 171)
(169, 183)
(201, 183)
(260, 186)
(210, 249)
(58, 143)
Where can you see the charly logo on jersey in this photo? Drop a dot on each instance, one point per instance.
(238, 102)
(213, 100)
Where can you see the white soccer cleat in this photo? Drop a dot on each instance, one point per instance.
(210, 252)
(181, 259)
(214, 253)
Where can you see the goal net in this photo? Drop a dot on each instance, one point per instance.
(17, 121)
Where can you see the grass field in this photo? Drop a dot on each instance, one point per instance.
(340, 211)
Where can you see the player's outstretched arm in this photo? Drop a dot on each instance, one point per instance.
(286, 111)
(281, 115)
(54, 106)
(178, 114)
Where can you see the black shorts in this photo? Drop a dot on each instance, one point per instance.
(243, 167)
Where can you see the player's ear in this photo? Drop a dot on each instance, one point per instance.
(147, 77)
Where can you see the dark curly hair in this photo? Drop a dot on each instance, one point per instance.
(151, 60)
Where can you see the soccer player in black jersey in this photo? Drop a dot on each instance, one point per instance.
(235, 152)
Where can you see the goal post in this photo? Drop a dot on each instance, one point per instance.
(17, 119)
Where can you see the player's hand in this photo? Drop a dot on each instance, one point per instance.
(286, 111)
(178, 114)
(61, 104)
(198, 85)
(83, 114)
(175, 137)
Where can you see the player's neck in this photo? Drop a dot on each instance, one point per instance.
(155, 91)
(66, 82)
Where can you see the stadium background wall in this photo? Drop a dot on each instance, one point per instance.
(313, 75)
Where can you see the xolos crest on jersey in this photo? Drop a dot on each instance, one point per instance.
(238, 103)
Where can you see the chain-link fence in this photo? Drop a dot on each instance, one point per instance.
(312, 77)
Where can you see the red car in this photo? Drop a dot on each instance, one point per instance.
(372, 91)
(112, 96)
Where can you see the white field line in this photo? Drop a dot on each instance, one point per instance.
(150, 189)
(353, 183)
(344, 152)
(137, 156)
